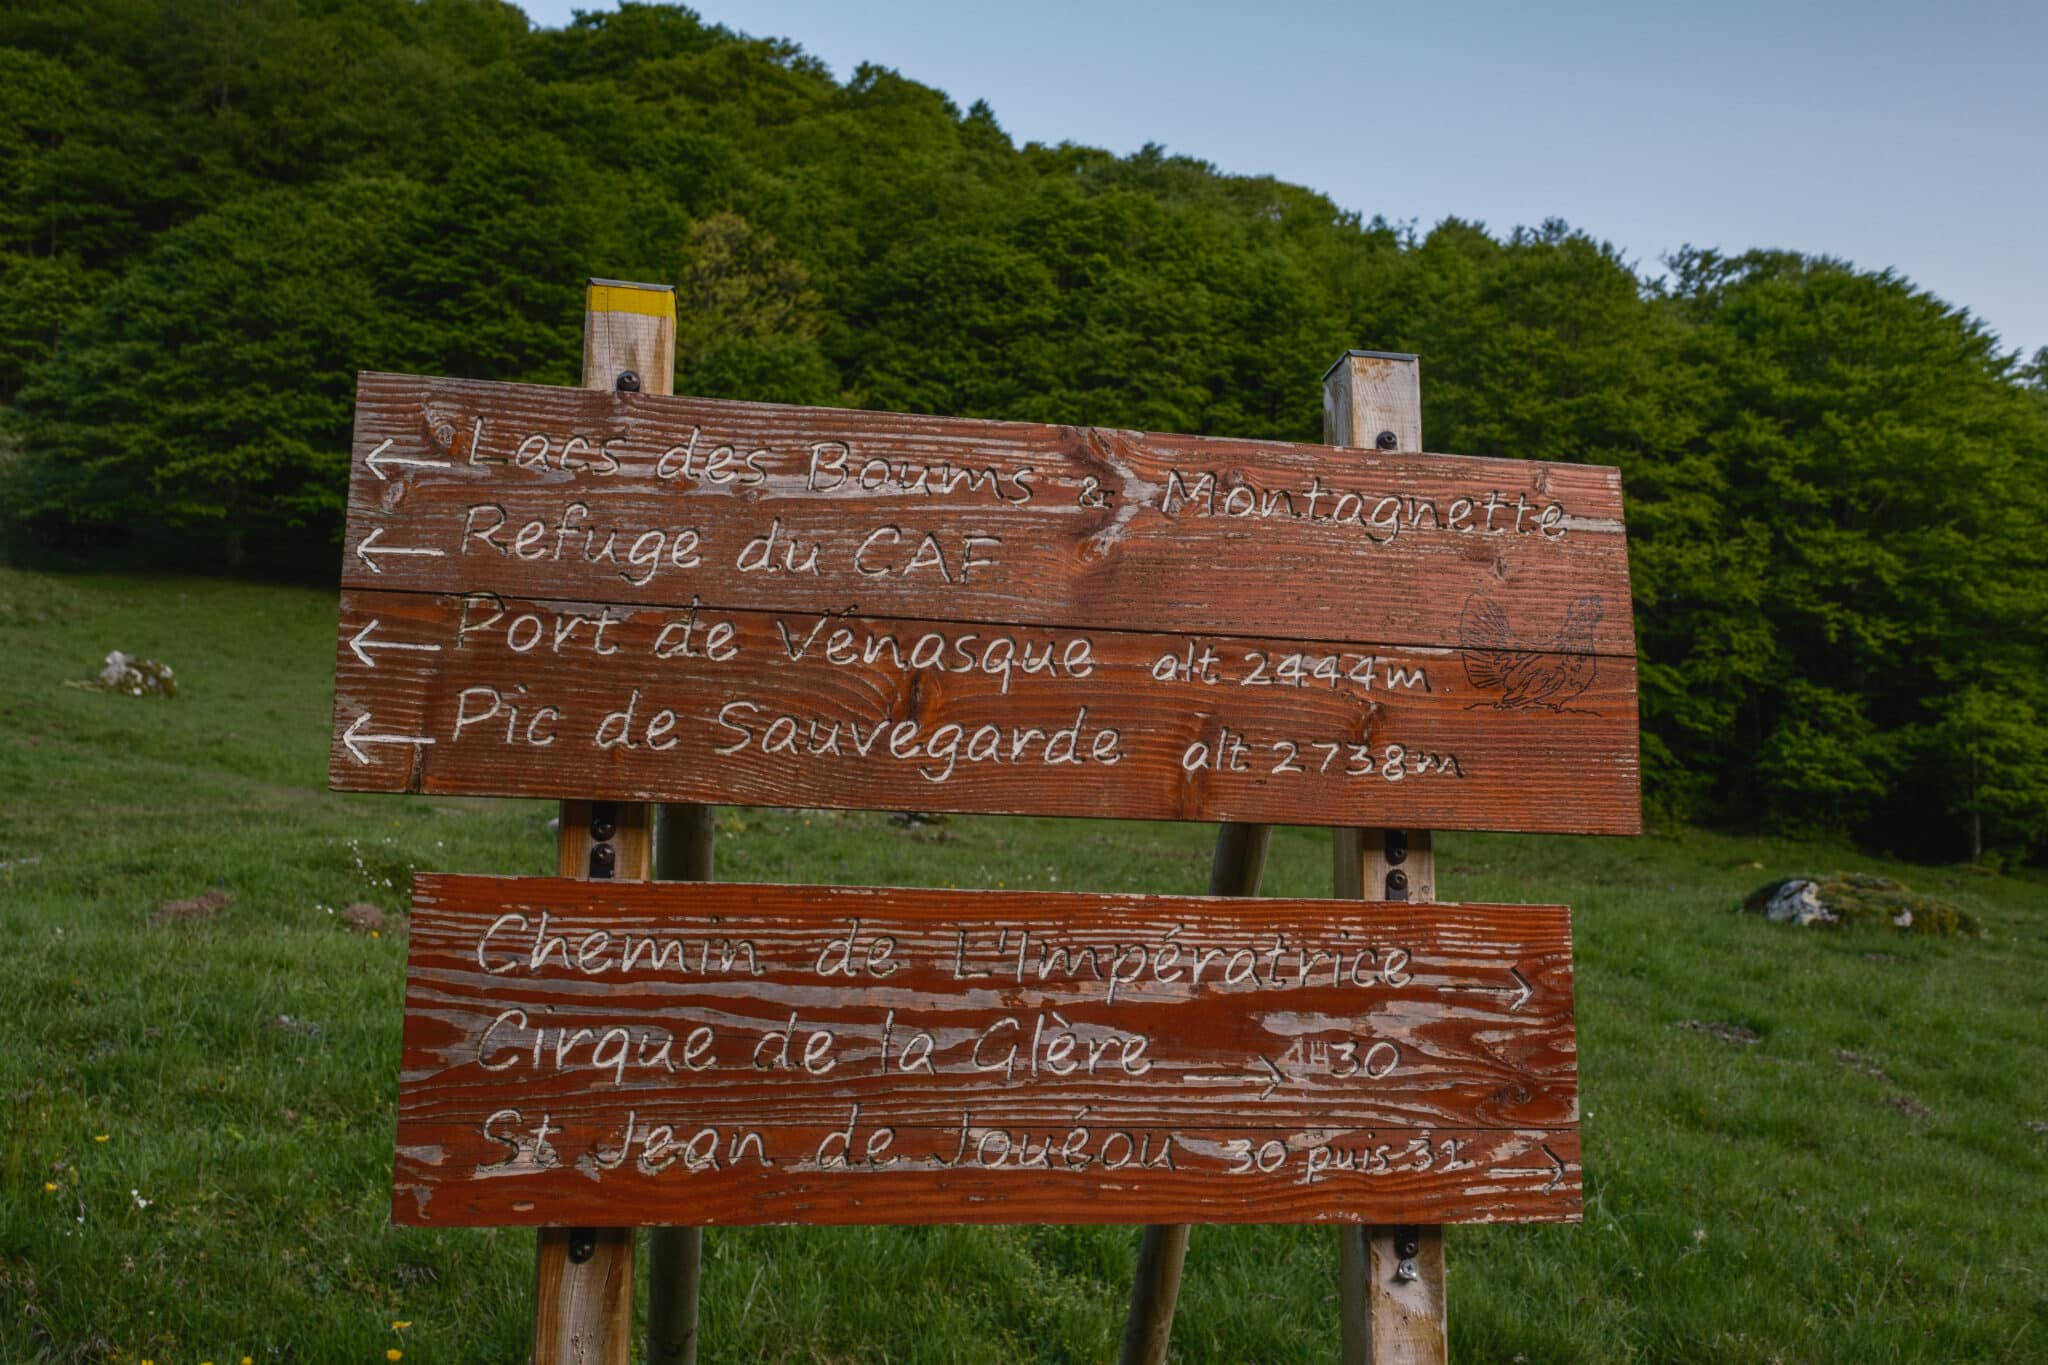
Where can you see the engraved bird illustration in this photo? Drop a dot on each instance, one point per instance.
(1549, 675)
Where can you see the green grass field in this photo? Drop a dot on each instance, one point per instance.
(195, 1139)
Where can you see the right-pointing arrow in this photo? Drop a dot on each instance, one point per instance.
(1279, 1077)
(1555, 1170)
(1521, 990)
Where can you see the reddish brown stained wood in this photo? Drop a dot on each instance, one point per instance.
(428, 1194)
(1315, 1035)
(1074, 527)
(452, 695)
(1476, 1048)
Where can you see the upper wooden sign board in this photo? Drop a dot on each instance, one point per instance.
(568, 593)
(664, 1052)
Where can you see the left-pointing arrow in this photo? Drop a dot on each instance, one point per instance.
(353, 739)
(378, 461)
(369, 547)
(362, 643)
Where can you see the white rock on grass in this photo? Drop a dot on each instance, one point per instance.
(136, 677)
(1797, 902)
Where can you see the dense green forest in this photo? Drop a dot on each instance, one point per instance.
(212, 216)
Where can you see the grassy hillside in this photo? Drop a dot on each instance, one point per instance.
(196, 1136)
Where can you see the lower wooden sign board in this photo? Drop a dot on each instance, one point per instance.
(604, 1054)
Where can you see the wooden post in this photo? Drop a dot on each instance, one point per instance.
(683, 838)
(1234, 870)
(1365, 394)
(1155, 1290)
(583, 1282)
(1391, 1296)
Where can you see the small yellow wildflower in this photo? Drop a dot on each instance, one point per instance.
(394, 1354)
(401, 1324)
(49, 1187)
(375, 934)
(102, 1137)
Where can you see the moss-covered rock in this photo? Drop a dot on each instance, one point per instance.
(135, 677)
(1857, 898)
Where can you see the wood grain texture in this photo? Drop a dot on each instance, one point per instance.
(629, 328)
(1360, 864)
(471, 695)
(929, 1192)
(1385, 1318)
(583, 1307)
(1235, 869)
(1410, 1316)
(1368, 392)
(632, 850)
(1155, 1291)
(675, 1283)
(1070, 527)
(583, 1310)
(1375, 1035)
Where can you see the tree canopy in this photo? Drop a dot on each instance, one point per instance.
(212, 216)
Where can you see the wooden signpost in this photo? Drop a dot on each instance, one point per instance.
(614, 597)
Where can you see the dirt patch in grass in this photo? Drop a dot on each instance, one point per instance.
(1861, 1065)
(365, 918)
(1728, 1033)
(1910, 1107)
(205, 905)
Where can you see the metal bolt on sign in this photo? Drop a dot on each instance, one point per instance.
(1407, 1245)
(604, 823)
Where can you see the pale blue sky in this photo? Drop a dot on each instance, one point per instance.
(1893, 134)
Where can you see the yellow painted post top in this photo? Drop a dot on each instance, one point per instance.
(623, 296)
